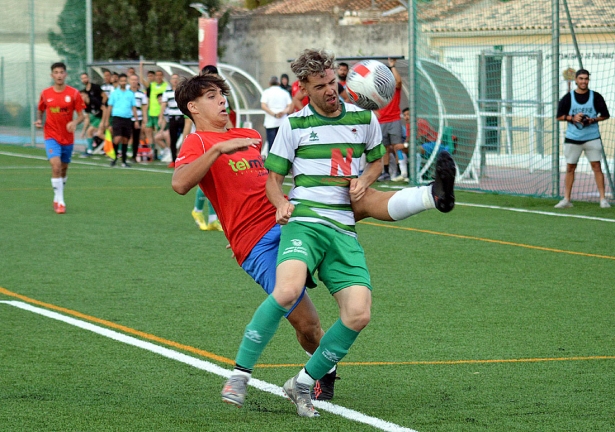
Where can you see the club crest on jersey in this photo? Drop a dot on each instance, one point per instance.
(313, 136)
(67, 98)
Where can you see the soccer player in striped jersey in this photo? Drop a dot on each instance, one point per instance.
(168, 107)
(320, 146)
(59, 103)
(140, 121)
(227, 162)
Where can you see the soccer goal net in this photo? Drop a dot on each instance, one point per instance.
(489, 78)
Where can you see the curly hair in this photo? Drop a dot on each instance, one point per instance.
(312, 62)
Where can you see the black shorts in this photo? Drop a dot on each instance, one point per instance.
(122, 127)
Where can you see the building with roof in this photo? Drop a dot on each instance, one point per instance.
(501, 50)
(262, 41)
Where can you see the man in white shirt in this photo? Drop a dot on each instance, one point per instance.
(277, 103)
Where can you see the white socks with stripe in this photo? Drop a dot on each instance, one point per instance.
(410, 201)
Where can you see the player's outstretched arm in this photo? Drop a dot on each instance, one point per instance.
(189, 175)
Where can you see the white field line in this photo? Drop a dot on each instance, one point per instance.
(207, 366)
(544, 213)
(536, 212)
(82, 162)
(286, 183)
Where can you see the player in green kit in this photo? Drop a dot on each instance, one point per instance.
(321, 147)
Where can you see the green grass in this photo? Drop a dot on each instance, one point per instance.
(467, 286)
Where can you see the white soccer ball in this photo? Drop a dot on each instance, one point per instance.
(370, 84)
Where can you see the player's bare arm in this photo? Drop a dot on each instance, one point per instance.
(71, 126)
(39, 119)
(276, 196)
(359, 186)
(188, 176)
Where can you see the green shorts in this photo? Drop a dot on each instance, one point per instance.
(94, 121)
(152, 122)
(338, 257)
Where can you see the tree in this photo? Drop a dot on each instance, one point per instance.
(70, 42)
(152, 29)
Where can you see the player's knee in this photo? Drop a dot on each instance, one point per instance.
(358, 320)
(286, 295)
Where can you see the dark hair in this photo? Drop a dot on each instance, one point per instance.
(209, 69)
(343, 64)
(115, 73)
(582, 72)
(122, 75)
(151, 72)
(193, 88)
(405, 109)
(58, 65)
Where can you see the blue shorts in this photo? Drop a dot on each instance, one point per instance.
(261, 263)
(54, 149)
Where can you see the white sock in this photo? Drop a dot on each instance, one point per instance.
(197, 210)
(240, 372)
(403, 165)
(64, 180)
(410, 201)
(58, 190)
(212, 218)
(304, 378)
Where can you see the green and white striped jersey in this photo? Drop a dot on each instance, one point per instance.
(323, 155)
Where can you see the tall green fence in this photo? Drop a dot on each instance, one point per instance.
(488, 78)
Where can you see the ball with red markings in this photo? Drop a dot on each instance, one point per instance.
(370, 84)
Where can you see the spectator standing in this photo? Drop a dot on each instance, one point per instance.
(277, 104)
(582, 108)
(95, 108)
(390, 123)
(59, 103)
(141, 103)
(285, 83)
(122, 108)
(156, 88)
(169, 108)
(107, 85)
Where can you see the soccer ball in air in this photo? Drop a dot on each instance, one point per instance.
(370, 84)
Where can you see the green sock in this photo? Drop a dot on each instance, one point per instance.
(199, 201)
(89, 141)
(334, 345)
(212, 212)
(259, 332)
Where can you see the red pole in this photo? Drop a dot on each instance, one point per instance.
(208, 42)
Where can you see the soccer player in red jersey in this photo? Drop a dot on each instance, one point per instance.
(59, 103)
(226, 162)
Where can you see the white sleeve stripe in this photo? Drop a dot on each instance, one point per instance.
(202, 143)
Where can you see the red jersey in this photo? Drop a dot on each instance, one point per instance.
(391, 112)
(59, 108)
(294, 90)
(235, 185)
(424, 131)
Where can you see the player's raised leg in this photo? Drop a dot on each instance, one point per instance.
(393, 206)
